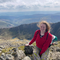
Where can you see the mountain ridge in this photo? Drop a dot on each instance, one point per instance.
(26, 31)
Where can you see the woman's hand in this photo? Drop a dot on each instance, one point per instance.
(26, 44)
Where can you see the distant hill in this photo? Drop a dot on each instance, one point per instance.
(4, 24)
(56, 29)
(18, 19)
(26, 31)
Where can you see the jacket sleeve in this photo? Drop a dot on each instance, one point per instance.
(46, 44)
(35, 34)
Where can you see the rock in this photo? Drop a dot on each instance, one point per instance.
(14, 52)
(20, 54)
(56, 43)
(2, 57)
(2, 47)
(54, 56)
(3, 54)
(9, 57)
(53, 49)
(26, 58)
(58, 50)
(58, 57)
(0, 51)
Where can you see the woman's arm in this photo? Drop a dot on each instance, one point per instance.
(34, 38)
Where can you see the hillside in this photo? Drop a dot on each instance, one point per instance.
(56, 29)
(26, 31)
(16, 20)
(4, 24)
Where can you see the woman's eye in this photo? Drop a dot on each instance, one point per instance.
(42, 27)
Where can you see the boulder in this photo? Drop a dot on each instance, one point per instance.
(2, 57)
(9, 57)
(26, 58)
(20, 54)
(58, 50)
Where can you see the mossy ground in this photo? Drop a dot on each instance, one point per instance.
(14, 41)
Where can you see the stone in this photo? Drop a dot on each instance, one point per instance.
(59, 57)
(26, 58)
(2, 57)
(2, 47)
(58, 50)
(0, 51)
(9, 57)
(20, 54)
(3, 54)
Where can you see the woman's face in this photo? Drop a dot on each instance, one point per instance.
(43, 27)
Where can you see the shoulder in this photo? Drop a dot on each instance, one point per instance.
(50, 35)
(37, 31)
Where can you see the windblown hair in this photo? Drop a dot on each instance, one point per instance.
(47, 25)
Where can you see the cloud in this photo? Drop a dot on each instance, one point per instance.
(3, 8)
(29, 5)
(21, 7)
(10, 7)
(3, 1)
(46, 6)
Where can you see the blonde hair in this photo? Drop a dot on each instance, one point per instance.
(47, 25)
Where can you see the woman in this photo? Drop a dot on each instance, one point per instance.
(43, 39)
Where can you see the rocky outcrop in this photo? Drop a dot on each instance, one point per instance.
(54, 53)
(16, 54)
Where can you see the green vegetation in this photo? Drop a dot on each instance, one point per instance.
(34, 43)
(21, 48)
(6, 50)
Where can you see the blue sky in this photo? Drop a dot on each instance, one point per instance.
(29, 5)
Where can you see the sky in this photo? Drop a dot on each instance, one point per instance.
(29, 5)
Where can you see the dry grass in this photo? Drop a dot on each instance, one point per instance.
(13, 41)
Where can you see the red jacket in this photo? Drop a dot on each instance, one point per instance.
(41, 43)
